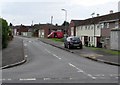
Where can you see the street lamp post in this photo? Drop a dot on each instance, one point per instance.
(65, 13)
(65, 20)
(93, 26)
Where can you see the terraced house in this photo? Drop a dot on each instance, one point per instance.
(96, 31)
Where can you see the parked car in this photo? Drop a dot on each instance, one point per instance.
(72, 41)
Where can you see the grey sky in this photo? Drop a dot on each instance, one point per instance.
(40, 11)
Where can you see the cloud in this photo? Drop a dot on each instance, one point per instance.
(40, 11)
(90, 2)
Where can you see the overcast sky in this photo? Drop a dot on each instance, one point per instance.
(40, 11)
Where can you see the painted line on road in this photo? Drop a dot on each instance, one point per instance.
(25, 44)
(53, 54)
(56, 56)
(30, 41)
(26, 56)
(80, 70)
(47, 79)
(27, 79)
(9, 79)
(91, 76)
(48, 51)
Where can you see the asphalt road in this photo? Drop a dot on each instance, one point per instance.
(48, 64)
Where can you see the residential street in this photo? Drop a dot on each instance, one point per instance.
(48, 64)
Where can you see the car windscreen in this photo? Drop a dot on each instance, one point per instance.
(75, 39)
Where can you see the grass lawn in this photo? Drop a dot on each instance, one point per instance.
(57, 40)
(106, 51)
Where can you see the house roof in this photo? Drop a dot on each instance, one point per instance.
(95, 20)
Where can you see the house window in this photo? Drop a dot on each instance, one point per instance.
(81, 27)
(116, 25)
(92, 39)
(98, 26)
(86, 27)
(102, 25)
(107, 25)
(89, 39)
(92, 26)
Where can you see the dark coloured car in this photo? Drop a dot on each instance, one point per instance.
(72, 41)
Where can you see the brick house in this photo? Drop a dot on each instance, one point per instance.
(108, 22)
(22, 30)
(73, 25)
(43, 30)
(94, 31)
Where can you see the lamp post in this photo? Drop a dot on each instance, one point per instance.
(65, 13)
(65, 21)
(93, 26)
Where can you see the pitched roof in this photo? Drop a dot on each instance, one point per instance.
(95, 20)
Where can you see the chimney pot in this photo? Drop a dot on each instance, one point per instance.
(98, 15)
(111, 11)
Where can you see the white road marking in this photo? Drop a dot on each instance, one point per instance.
(25, 44)
(48, 51)
(100, 75)
(71, 78)
(53, 54)
(91, 76)
(56, 56)
(30, 41)
(47, 79)
(9, 79)
(29, 79)
(26, 56)
(113, 75)
(80, 70)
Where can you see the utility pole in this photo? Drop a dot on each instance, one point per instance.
(51, 19)
(93, 26)
(65, 20)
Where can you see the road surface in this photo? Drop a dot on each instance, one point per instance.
(48, 64)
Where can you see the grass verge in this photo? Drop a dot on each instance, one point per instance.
(57, 40)
(113, 52)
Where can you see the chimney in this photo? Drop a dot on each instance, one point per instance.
(98, 15)
(111, 11)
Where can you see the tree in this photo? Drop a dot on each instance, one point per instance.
(65, 23)
(10, 24)
(5, 30)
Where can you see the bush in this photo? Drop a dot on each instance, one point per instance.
(5, 30)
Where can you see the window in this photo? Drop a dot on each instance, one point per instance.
(107, 25)
(102, 25)
(98, 26)
(88, 27)
(92, 39)
(92, 27)
(116, 25)
(81, 27)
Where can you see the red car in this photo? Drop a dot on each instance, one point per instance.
(56, 34)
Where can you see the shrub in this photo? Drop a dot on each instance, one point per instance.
(5, 30)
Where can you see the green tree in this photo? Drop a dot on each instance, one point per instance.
(5, 30)
(65, 23)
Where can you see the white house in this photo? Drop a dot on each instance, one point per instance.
(93, 30)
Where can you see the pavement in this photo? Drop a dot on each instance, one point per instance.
(14, 54)
(96, 55)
